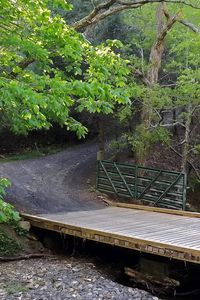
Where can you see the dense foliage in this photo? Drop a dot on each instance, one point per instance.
(174, 96)
(162, 46)
(47, 68)
(57, 62)
(7, 213)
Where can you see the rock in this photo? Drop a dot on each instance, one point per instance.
(62, 279)
(25, 225)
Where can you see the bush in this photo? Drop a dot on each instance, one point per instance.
(7, 212)
(9, 245)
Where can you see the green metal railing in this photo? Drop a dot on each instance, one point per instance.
(154, 186)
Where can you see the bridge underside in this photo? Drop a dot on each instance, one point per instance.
(155, 231)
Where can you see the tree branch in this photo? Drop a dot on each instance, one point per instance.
(139, 75)
(167, 28)
(26, 256)
(111, 7)
(158, 46)
(23, 65)
(88, 20)
(167, 125)
(142, 2)
(190, 26)
(185, 2)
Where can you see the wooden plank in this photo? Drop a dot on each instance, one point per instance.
(142, 244)
(126, 217)
(155, 209)
(169, 233)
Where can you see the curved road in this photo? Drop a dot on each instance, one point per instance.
(54, 183)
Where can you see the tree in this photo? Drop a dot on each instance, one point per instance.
(188, 96)
(175, 14)
(156, 86)
(111, 7)
(47, 68)
(47, 79)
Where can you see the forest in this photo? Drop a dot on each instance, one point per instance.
(125, 70)
(87, 81)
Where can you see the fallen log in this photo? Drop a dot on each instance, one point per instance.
(21, 257)
(146, 279)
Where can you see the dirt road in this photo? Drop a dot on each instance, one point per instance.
(55, 183)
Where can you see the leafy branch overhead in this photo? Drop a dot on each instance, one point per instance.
(50, 72)
(36, 90)
(111, 7)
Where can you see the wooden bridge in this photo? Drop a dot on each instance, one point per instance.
(165, 232)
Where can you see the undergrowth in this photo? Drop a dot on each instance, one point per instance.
(7, 212)
(9, 223)
(8, 245)
(30, 153)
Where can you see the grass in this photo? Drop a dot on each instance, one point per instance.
(31, 153)
(14, 287)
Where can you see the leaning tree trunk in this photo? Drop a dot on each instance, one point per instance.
(152, 78)
(155, 60)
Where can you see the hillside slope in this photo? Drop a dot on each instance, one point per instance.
(54, 183)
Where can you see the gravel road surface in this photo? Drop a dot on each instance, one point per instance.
(55, 183)
(55, 279)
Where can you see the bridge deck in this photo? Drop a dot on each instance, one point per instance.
(166, 234)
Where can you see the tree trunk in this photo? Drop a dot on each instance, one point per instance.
(157, 49)
(155, 60)
(152, 76)
(174, 120)
(101, 140)
(186, 144)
